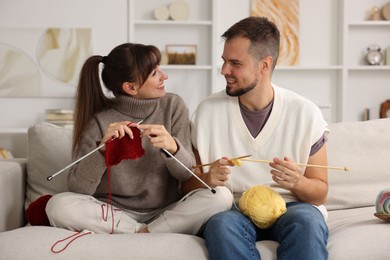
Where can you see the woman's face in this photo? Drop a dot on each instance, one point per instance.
(153, 87)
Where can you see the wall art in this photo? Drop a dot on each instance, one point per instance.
(42, 62)
(285, 14)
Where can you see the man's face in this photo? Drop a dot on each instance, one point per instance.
(239, 69)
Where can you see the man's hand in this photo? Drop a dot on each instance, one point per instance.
(219, 172)
(286, 173)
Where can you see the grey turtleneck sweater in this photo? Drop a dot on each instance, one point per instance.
(149, 182)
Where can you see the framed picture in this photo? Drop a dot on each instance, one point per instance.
(181, 54)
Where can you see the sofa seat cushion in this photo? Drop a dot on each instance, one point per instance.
(267, 249)
(352, 232)
(35, 242)
(358, 234)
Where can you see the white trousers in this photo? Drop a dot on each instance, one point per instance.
(78, 212)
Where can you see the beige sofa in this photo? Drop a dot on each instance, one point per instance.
(355, 233)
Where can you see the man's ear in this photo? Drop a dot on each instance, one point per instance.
(266, 64)
(130, 88)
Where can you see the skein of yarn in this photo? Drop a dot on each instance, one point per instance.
(262, 205)
(383, 202)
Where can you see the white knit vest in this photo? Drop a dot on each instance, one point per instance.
(218, 129)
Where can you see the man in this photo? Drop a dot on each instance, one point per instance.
(258, 118)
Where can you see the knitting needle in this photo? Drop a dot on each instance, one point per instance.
(185, 167)
(70, 165)
(80, 159)
(301, 164)
(232, 159)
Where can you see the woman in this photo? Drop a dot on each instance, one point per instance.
(145, 193)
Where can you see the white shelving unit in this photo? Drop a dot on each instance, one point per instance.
(318, 74)
(191, 82)
(363, 86)
(332, 71)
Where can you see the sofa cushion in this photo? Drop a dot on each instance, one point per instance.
(48, 151)
(12, 188)
(364, 148)
(35, 242)
(357, 234)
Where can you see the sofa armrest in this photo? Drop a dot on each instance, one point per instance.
(12, 189)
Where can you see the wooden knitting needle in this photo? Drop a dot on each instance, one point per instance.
(300, 164)
(232, 159)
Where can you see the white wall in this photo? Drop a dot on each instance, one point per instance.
(108, 20)
(320, 40)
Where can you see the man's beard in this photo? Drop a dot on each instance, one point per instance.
(241, 91)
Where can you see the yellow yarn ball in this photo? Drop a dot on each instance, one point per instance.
(262, 205)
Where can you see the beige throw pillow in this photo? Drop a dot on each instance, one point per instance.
(48, 151)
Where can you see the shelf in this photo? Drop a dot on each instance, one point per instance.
(315, 68)
(372, 68)
(185, 67)
(174, 23)
(13, 130)
(369, 23)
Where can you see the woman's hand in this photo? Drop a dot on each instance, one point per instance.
(159, 137)
(118, 130)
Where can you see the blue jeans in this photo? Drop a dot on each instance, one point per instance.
(301, 232)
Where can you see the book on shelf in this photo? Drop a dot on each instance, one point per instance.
(56, 117)
(59, 111)
(59, 116)
(5, 154)
(63, 123)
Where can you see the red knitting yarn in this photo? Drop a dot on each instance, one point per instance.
(124, 148)
(36, 214)
(116, 151)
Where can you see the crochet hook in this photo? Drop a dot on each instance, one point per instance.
(80, 159)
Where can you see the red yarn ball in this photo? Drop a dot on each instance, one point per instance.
(36, 214)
